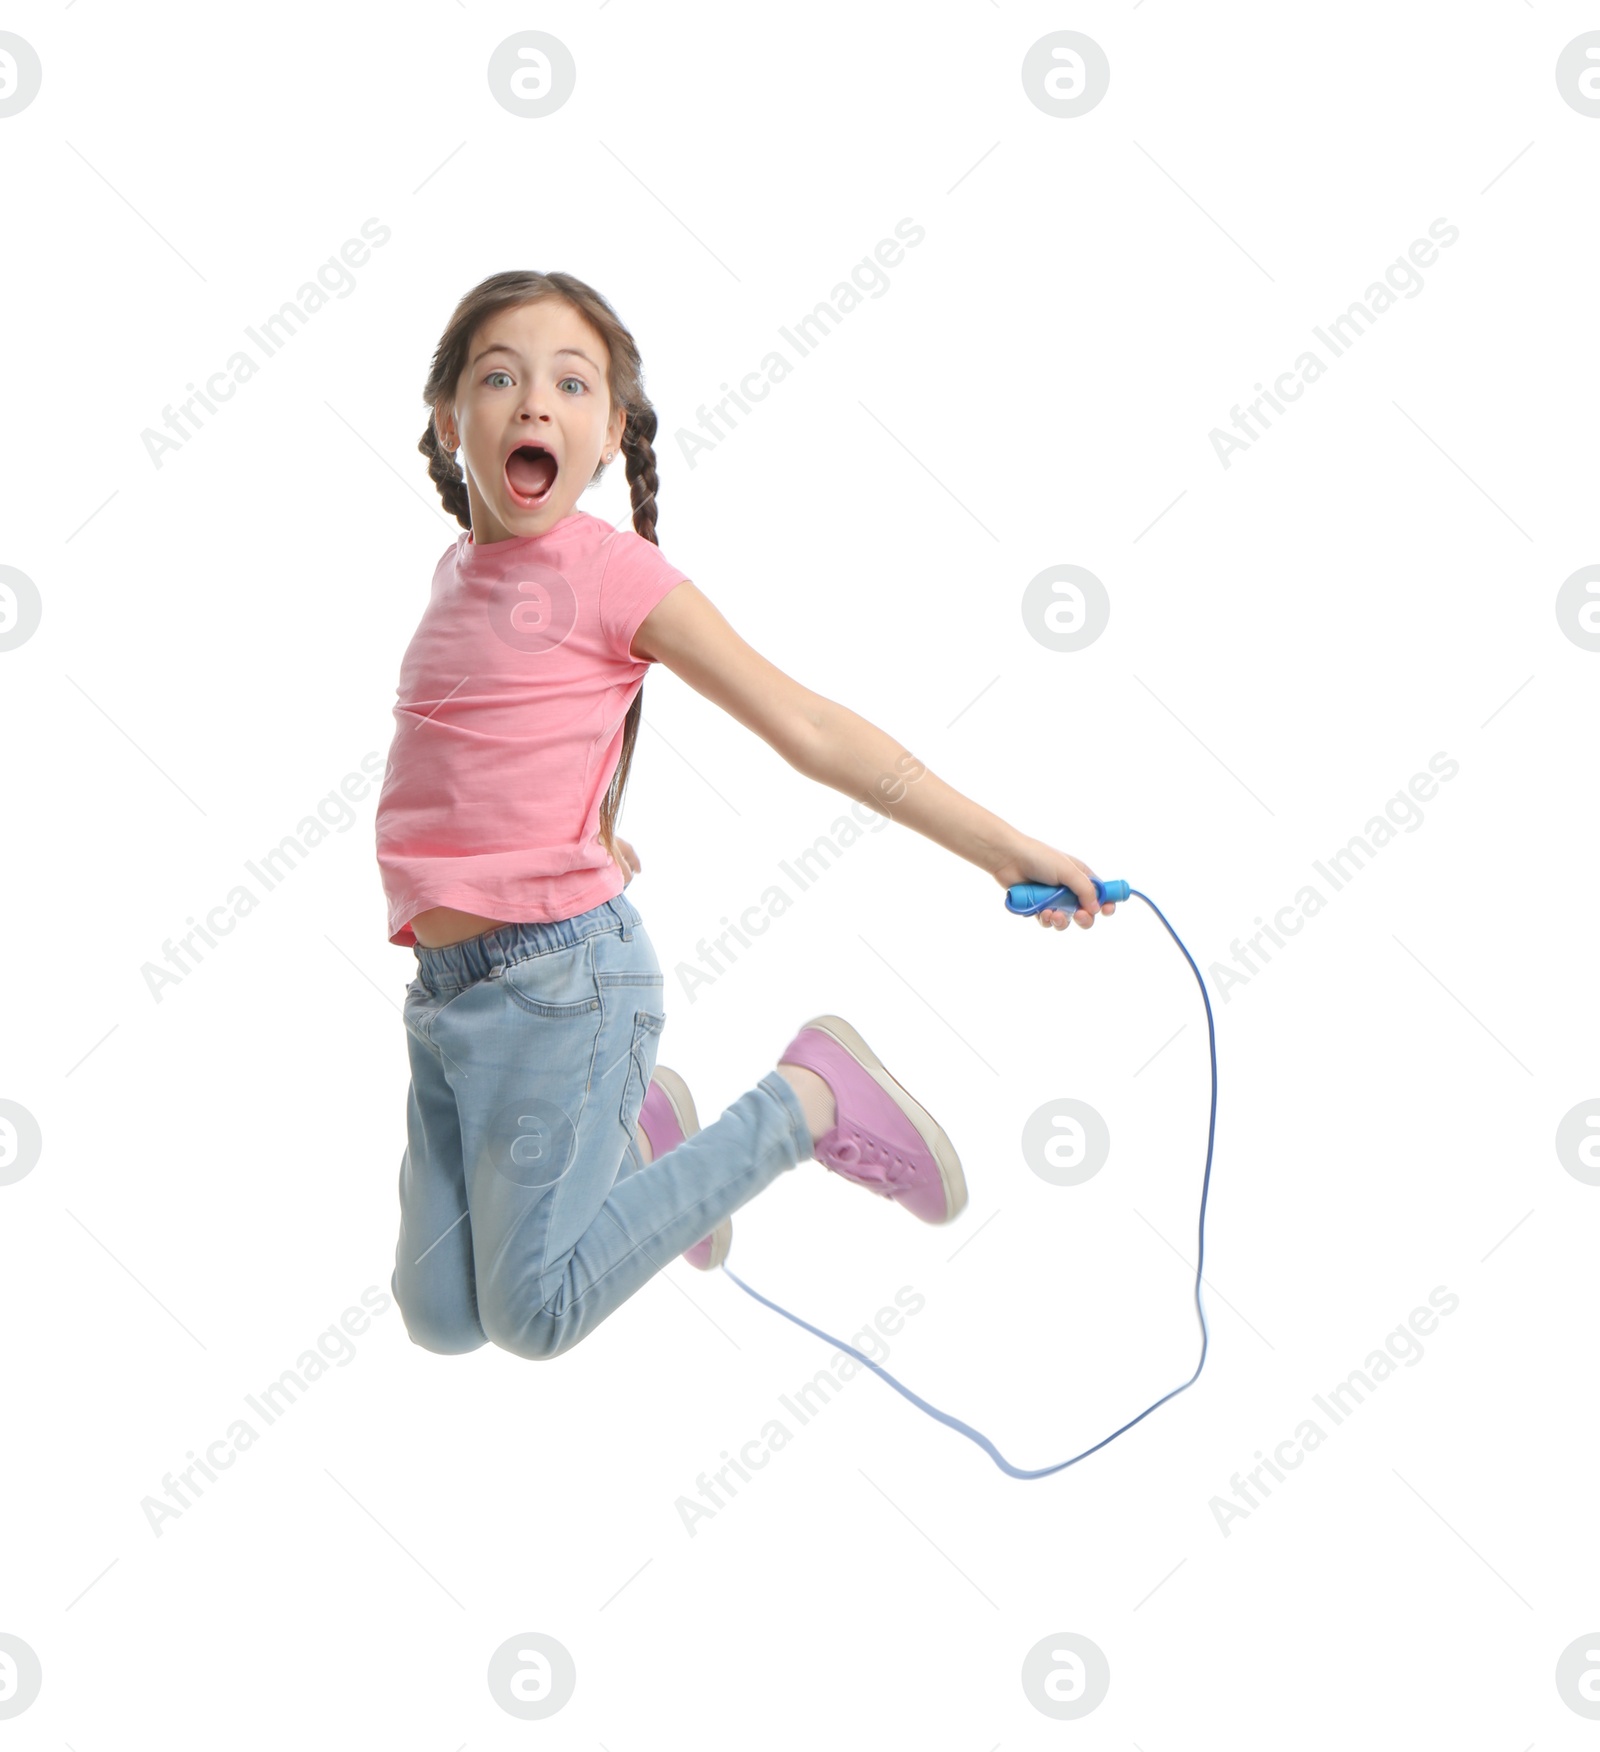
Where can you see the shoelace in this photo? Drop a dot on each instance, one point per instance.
(871, 1163)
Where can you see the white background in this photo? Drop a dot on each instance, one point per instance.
(1291, 639)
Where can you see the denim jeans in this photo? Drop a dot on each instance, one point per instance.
(527, 1214)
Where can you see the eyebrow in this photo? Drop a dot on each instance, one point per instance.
(502, 347)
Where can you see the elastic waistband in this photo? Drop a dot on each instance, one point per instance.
(458, 965)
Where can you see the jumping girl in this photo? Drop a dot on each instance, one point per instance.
(551, 1168)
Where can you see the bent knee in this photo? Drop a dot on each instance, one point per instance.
(536, 1334)
(447, 1334)
(445, 1341)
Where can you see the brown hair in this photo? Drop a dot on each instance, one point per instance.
(507, 291)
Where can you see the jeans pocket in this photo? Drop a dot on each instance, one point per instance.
(422, 1008)
(419, 1008)
(647, 1028)
(558, 984)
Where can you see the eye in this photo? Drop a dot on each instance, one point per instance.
(504, 374)
(577, 380)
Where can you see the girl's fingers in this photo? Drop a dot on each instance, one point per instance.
(1055, 918)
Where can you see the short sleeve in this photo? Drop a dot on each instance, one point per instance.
(636, 577)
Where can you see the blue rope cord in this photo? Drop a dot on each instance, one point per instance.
(966, 1429)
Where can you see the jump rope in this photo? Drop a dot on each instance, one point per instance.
(1027, 899)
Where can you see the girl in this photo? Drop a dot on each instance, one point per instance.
(550, 1169)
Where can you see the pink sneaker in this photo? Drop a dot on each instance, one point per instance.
(881, 1139)
(667, 1117)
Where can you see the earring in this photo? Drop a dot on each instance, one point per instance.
(607, 457)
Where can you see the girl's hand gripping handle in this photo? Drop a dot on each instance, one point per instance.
(1038, 898)
(1039, 879)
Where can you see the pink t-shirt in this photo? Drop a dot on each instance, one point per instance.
(509, 717)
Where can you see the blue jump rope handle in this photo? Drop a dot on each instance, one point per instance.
(1028, 898)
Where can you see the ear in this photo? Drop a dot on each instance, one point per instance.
(614, 429)
(444, 421)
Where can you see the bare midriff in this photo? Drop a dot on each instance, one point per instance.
(441, 926)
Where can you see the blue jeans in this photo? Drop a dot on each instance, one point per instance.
(526, 1211)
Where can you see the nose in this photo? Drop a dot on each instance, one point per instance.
(535, 404)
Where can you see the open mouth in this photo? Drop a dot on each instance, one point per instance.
(530, 474)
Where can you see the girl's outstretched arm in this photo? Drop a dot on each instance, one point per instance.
(838, 748)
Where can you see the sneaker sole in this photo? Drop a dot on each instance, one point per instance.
(721, 1241)
(933, 1134)
(682, 1104)
(679, 1099)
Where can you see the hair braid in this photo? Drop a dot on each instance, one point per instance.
(446, 475)
(641, 467)
(640, 459)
